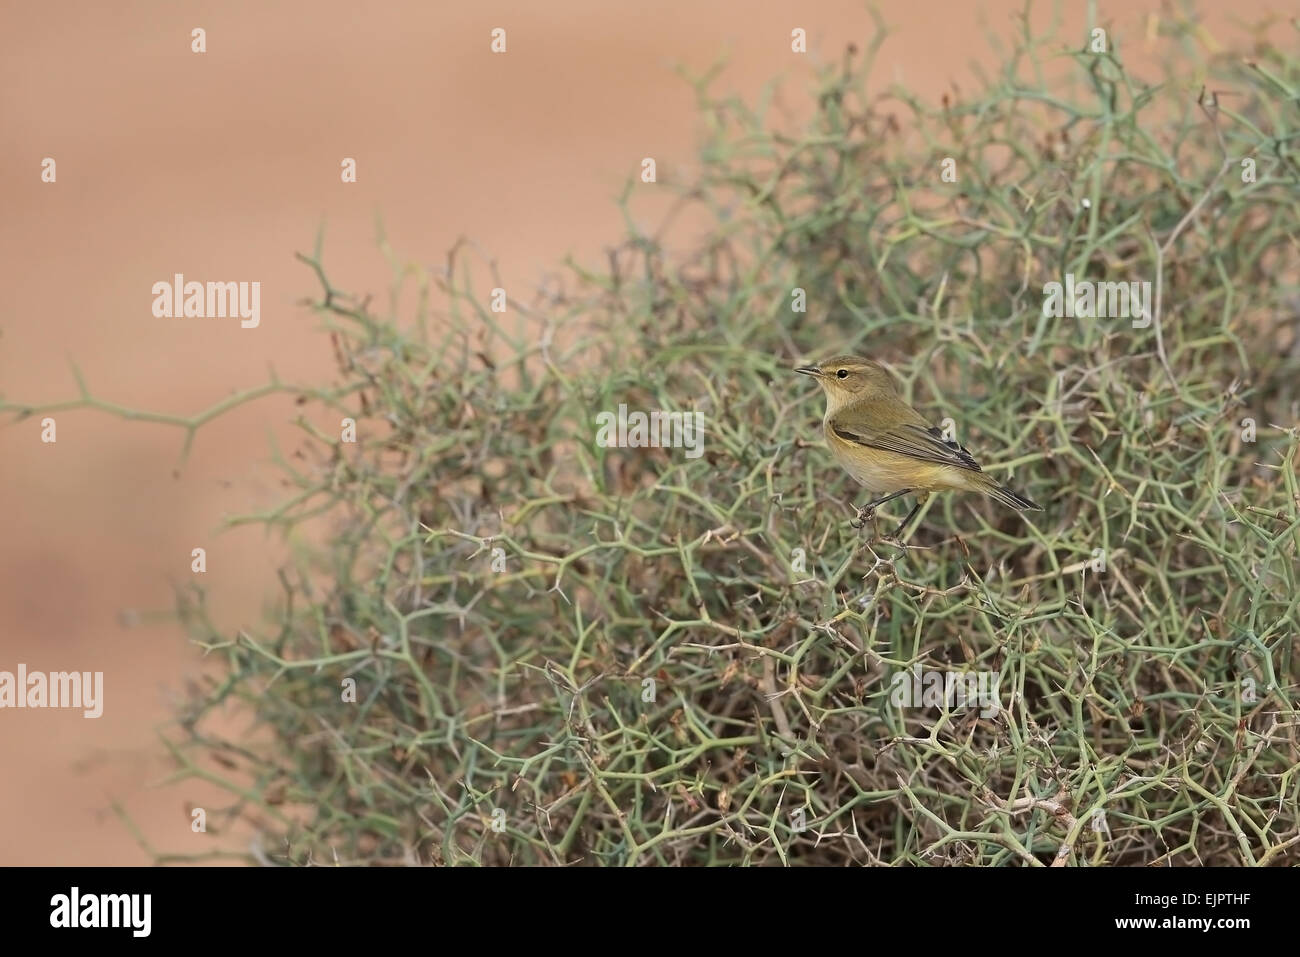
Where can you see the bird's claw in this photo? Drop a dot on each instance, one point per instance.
(865, 514)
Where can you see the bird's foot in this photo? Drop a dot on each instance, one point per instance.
(865, 514)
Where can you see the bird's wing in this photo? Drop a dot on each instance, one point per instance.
(921, 442)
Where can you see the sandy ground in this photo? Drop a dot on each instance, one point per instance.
(220, 166)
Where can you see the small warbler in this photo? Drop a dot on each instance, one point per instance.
(889, 447)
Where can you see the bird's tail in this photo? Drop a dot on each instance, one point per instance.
(1008, 497)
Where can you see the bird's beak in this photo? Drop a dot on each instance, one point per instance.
(810, 370)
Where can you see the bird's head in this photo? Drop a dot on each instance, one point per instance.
(848, 378)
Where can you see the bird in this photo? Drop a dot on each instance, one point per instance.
(888, 447)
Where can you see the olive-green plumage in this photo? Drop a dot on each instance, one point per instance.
(889, 447)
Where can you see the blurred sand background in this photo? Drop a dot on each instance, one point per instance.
(221, 166)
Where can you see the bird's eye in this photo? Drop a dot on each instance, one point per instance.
(842, 374)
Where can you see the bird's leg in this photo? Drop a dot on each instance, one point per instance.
(867, 511)
(920, 500)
